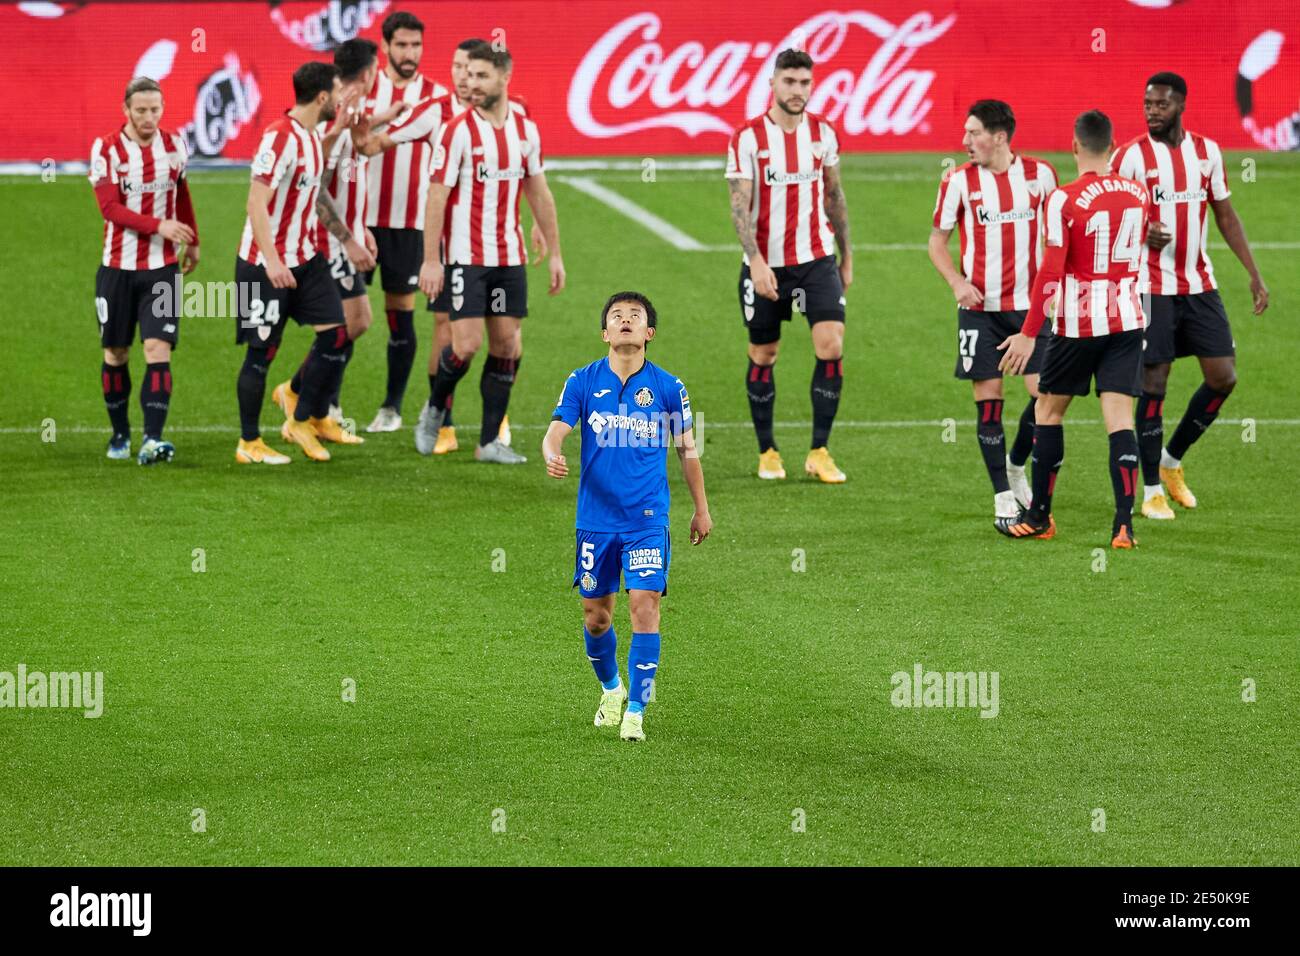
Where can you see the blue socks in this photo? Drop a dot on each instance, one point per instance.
(642, 665)
(601, 651)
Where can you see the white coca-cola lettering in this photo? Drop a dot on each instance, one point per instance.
(886, 98)
(225, 102)
(331, 25)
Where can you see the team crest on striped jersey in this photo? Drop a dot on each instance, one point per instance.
(818, 149)
(1206, 166)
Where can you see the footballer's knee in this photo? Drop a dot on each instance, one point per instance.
(763, 354)
(644, 608)
(116, 356)
(156, 350)
(828, 340)
(1222, 376)
(466, 343)
(987, 389)
(357, 317)
(1155, 378)
(399, 301)
(597, 620)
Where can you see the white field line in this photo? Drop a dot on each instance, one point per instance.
(680, 240)
(660, 227)
(704, 424)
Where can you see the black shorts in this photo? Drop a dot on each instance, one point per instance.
(1115, 360)
(479, 291)
(125, 298)
(815, 284)
(443, 302)
(350, 282)
(978, 336)
(262, 308)
(1181, 325)
(401, 253)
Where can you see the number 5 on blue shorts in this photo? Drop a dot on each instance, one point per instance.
(641, 556)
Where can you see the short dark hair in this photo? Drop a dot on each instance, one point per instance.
(470, 43)
(650, 315)
(353, 57)
(311, 79)
(1171, 80)
(792, 59)
(400, 20)
(500, 58)
(1094, 132)
(995, 115)
(141, 84)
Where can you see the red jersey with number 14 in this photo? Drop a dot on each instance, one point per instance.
(1094, 229)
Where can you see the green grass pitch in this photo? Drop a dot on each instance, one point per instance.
(1120, 690)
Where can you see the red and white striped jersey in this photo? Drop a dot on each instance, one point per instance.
(1094, 229)
(146, 178)
(289, 159)
(398, 179)
(788, 208)
(997, 216)
(485, 168)
(1181, 181)
(346, 190)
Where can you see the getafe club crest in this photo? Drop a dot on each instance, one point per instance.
(587, 581)
(644, 397)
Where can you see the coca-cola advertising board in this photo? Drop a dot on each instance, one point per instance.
(616, 77)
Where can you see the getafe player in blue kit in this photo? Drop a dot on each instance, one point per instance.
(630, 411)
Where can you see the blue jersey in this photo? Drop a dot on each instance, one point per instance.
(626, 428)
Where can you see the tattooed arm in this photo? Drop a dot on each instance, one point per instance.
(329, 218)
(742, 196)
(837, 211)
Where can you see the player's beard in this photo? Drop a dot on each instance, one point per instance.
(406, 69)
(328, 111)
(489, 101)
(792, 110)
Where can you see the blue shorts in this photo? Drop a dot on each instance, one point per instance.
(641, 556)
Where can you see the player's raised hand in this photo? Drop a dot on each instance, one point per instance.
(345, 112)
(557, 467)
(189, 259)
(1259, 292)
(701, 525)
(1018, 349)
(539, 244)
(557, 276)
(764, 279)
(431, 276)
(967, 296)
(1157, 235)
(280, 276)
(176, 231)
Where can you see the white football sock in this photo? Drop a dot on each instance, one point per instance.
(1169, 461)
